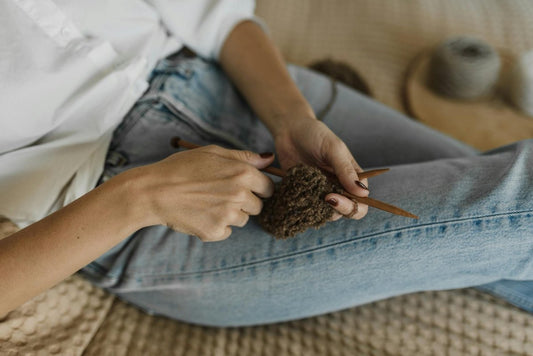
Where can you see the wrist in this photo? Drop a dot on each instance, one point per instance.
(128, 193)
(282, 122)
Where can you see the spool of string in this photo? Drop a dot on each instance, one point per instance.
(520, 83)
(464, 68)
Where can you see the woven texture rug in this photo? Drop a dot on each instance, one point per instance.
(464, 322)
(379, 38)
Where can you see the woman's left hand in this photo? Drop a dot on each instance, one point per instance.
(311, 142)
(257, 69)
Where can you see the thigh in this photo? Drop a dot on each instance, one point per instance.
(472, 230)
(376, 135)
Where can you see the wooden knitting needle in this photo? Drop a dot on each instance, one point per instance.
(371, 173)
(177, 142)
(379, 205)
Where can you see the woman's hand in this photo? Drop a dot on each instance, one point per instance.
(204, 191)
(256, 67)
(200, 192)
(311, 142)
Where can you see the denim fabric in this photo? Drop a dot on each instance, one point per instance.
(475, 226)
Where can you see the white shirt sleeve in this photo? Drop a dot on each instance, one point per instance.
(203, 25)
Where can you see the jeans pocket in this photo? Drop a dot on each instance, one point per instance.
(128, 123)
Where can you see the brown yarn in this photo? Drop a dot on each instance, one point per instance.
(343, 73)
(298, 202)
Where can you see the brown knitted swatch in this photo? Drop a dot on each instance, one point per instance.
(298, 202)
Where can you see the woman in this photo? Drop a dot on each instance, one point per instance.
(76, 94)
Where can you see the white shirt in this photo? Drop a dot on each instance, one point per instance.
(70, 70)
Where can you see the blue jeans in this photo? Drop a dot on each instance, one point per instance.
(475, 226)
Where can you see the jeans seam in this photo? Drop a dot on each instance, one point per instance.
(510, 295)
(317, 249)
(137, 113)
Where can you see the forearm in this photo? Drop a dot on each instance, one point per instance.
(256, 67)
(55, 247)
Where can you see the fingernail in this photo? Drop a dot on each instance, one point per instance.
(361, 185)
(266, 154)
(333, 202)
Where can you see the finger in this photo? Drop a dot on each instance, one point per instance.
(258, 160)
(344, 166)
(226, 233)
(252, 205)
(364, 180)
(346, 207)
(214, 236)
(253, 179)
(263, 186)
(241, 219)
(336, 216)
(362, 210)
(256, 181)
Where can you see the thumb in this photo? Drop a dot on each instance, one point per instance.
(258, 160)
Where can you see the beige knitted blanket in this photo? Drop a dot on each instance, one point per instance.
(378, 37)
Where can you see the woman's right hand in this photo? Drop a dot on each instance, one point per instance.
(203, 191)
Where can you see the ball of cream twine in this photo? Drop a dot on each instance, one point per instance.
(464, 68)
